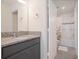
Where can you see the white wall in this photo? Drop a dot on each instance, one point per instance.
(6, 18)
(52, 30)
(39, 23)
(14, 7)
(67, 17)
(35, 15)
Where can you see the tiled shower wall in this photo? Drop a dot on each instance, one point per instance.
(67, 29)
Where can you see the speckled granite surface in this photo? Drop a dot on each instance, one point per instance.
(7, 38)
(6, 34)
(11, 34)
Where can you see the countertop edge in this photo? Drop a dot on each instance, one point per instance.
(13, 43)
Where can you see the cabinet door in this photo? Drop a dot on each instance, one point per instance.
(34, 53)
(30, 53)
(19, 55)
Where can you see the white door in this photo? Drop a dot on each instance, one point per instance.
(67, 37)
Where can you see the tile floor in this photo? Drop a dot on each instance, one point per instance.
(70, 54)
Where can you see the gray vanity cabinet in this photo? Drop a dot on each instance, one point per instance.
(30, 52)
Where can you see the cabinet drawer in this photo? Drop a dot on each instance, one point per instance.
(9, 50)
(30, 53)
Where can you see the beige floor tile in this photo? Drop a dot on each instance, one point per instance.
(66, 55)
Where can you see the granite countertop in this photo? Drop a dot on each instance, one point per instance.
(11, 40)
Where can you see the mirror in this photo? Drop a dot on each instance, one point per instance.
(14, 16)
(21, 15)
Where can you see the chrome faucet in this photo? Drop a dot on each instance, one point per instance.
(14, 34)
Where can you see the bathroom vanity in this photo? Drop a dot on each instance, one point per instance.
(24, 47)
